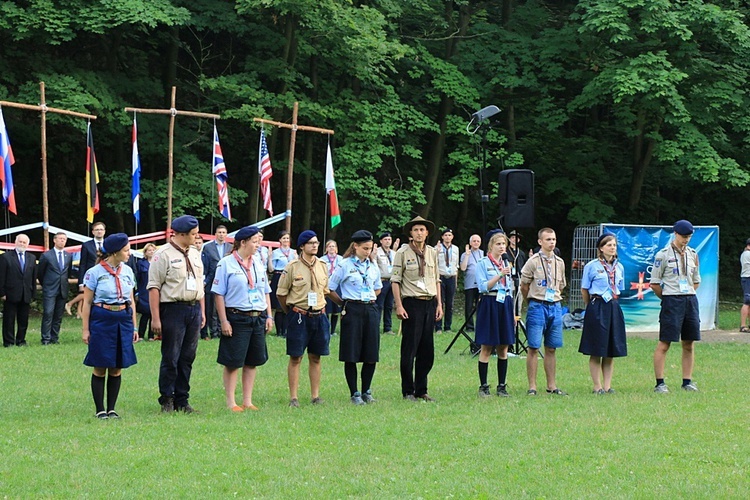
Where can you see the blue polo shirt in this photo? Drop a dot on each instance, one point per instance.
(231, 282)
(103, 284)
(354, 277)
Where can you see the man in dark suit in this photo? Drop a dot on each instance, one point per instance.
(88, 251)
(17, 285)
(54, 268)
(211, 254)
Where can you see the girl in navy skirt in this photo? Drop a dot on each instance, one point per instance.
(109, 321)
(603, 337)
(280, 257)
(495, 322)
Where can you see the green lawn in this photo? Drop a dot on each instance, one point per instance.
(631, 444)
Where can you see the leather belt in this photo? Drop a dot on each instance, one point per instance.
(595, 296)
(544, 302)
(421, 298)
(112, 307)
(183, 302)
(361, 302)
(245, 313)
(305, 312)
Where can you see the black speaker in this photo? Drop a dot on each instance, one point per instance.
(517, 198)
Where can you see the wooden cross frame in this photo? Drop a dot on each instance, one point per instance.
(290, 172)
(42, 107)
(172, 112)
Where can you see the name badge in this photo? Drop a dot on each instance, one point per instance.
(607, 295)
(501, 295)
(365, 295)
(390, 269)
(191, 284)
(684, 286)
(312, 299)
(549, 295)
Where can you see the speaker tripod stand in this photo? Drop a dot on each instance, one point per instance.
(474, 348)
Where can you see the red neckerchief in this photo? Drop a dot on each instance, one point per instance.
(116, 274)
(245, 268)
(610, 270)
(499, 266)
(331, 262)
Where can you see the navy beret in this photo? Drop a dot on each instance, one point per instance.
(362, 236)
(246, 232)
(747, 242)
(114, 243)
(601, 238)
(683, 227)
(385, 235)
(492, 233)
(184, 224)
(446, 230)
(305, 236)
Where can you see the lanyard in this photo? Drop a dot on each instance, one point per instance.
(388, 254)
(610, 270)
(355, 261)
(546, 265)
(474, 256)
(499, 266)
(246, 269)
(677, 260)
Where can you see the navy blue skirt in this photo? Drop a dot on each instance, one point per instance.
(274, 286)
(111, 340)
(495, 323)
(603, 330)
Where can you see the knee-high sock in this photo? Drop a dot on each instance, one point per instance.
(97, 390)
(113, 390)
(502, 371)
(368, 371)
(350, 370)
(483, 373)
(278, 320)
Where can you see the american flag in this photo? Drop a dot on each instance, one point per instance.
(220, 172)
(264, 169)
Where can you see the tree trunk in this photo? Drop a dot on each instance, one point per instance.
(643, 152)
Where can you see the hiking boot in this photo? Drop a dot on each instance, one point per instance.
(502, 391)
(484, 391)
(167, 405)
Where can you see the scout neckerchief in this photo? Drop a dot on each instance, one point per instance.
(420, 257)
(611, 269)
(245, 269)
(116, 274)
(331, 263)
(311, 267)
(286, 254)
(447, 255)
(388, 254)
(547, 268)
(187, 261)
(498, 267)
(683, 259)
(366, 272)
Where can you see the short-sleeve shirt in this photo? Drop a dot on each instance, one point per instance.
(596, 278)
(280, 258)
(472, 259)
(231, 282)
(670, 266)
(540, 273)
(262, 256)
(486, 270)
(745, 263)
(385, 262)
(331, 264)
(169, 274)
(406, 272)
(103, 284)
(298, 279)
(356, 278)
(449, 268)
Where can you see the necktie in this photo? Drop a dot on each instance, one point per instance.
(23, 262)
(98, 247)
(60, 261)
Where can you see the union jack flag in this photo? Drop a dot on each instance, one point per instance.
(264, 169)
(220, 172)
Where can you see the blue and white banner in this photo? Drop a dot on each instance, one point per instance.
(636, 249)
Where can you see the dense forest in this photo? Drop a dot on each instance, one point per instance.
(628, 111)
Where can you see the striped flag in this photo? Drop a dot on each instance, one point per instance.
(92, 178)
(220, 172)
(136, 191)
(265, 172)
(331, 190)
(6, 174)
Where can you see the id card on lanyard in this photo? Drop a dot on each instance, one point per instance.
(549, 292)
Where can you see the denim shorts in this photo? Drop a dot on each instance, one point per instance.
(544, 319)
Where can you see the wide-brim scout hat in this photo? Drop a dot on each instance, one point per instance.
(419, 221)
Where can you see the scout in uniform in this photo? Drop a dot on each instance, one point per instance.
(384, 256)
(302, 289)
(674, 279)
(175, 287)
(416, 290)
(448, 269)
(468, 264)
(280, 257)
(542, 282)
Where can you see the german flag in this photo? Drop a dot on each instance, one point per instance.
(92, 178)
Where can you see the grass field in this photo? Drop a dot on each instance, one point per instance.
(630, 444)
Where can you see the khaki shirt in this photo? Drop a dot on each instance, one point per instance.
(296, 282)
(385, 262)
(168, 273)
(669, 267)
(535, 272)
(406, 272)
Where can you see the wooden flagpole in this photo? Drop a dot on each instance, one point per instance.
(44, 110)
(172, 111)
(290, 172)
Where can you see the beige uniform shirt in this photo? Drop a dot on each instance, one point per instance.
(297, 281)
(406, 273)
(385, 262)
(536, 271)
(670, 266)
(169, 273)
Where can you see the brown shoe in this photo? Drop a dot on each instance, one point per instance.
(427, 398)
(294, 403)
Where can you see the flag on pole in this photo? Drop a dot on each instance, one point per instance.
(136, 169)
(92, 178)
(331, 190)
(6, 174)
(265, 172)
(220, 172)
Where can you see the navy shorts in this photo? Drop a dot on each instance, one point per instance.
(307, 332)
(745, 291)
(679, 318)
(247, 345)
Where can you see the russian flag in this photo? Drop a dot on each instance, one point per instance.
(6, 174)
